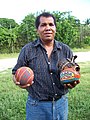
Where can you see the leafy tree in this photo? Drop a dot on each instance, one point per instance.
(67, 28)
(7, 34)
(87, 22)
(85, 34)
(69, 31)
(7, 39)
(8, 23)
(3, 32)
(26, 30)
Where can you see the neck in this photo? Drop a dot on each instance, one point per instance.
(49, 47)
(48, 43)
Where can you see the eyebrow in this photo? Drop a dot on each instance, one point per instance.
(51, 24)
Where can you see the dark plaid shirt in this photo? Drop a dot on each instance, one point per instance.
(46, 81)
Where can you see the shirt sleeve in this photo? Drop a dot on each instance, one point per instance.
(68, 52)
(22, 61)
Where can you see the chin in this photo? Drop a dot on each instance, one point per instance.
(48, 39)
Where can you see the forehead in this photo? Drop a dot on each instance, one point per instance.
(46, 20)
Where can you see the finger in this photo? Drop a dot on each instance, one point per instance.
(32, 82)
(69, 86)
(17, 83)
(75, 83)
(65, 86)
(78, 81)
(28, 85)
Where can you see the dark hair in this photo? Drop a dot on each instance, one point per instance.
(44, 14)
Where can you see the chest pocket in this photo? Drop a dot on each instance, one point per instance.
(31, 57)
(63, 55)
(35, 59)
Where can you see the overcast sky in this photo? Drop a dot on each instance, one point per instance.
(18, 9)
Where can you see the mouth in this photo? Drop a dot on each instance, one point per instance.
(48, 34)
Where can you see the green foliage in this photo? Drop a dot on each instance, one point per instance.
(86, 35)
(8, 23)
(69, 30)
(27, 31)
(7, 34)
(87, 40)
(87, 22)
(7, 39)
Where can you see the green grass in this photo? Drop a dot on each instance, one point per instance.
(13, 98)
(79, 97)
(83, 49)
(12, 55)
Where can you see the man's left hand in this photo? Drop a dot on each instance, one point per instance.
(72, 85)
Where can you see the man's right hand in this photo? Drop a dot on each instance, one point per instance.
(14, 80)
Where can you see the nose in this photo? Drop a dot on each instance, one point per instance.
(47, 27)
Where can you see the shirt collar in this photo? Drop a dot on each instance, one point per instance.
(37, 43)
(57, 44)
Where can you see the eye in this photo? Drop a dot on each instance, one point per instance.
(51, 24)
(44, 24)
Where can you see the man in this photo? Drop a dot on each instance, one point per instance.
(47, 99)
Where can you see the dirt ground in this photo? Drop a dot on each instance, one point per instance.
(9, 63)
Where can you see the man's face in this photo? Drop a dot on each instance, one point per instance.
(46, 29)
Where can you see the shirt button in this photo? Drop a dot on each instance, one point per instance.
(55, 94)
(51, 73)
(53, 83)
